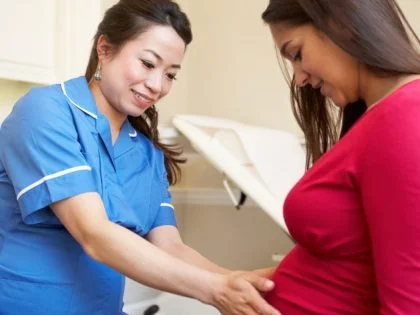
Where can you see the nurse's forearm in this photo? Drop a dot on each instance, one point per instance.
(191, 256)
(136, 258)
(86, 220)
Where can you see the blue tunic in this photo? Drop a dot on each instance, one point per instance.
(55, 145)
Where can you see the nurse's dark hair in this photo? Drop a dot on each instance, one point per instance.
(125, 21)
(375, 32)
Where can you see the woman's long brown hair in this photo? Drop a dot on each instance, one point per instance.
(375, 32)
(125, 21)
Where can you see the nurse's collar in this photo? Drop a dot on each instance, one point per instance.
(63, 88)
(132, 133)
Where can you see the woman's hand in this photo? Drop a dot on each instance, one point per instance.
(238, 294)
(265, 272)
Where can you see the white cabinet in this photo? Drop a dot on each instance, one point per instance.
(27, 37)
(45, 41)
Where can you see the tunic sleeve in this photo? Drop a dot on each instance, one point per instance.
(41, 155)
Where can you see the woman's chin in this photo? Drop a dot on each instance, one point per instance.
(339, 101)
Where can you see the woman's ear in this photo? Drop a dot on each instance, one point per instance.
(103, 48)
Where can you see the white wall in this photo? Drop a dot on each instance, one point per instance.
(234, 71)
(238, 239)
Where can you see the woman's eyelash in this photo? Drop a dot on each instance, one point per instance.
(171, 76)
(297, 56)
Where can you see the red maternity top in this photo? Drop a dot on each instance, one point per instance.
(355, 216)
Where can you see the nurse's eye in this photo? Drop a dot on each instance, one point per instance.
(171, 76)
(147, 64)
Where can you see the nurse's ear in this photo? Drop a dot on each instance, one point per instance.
(104, 49)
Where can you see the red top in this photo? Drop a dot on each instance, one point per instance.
(355, 216)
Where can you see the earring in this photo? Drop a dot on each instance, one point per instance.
(98, 75)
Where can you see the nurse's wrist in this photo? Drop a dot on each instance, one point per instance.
(212, 288)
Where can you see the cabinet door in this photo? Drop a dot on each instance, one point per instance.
(46, 41)
(27, 36)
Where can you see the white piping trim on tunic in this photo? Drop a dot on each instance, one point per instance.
(52, 176)
(63, 88)
(163, 204)
(133, 134)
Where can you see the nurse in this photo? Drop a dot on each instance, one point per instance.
(84, 182)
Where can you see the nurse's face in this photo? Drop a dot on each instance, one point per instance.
(142, 71)
(319, 62)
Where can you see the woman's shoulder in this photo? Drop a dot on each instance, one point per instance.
(401, 109)
(405, 98)
(409, 90)
(392, 123)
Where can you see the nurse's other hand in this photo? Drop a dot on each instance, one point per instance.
(238, 294)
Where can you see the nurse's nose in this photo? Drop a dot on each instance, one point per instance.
(154, 82)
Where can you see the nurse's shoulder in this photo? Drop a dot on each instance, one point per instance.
(39, 104)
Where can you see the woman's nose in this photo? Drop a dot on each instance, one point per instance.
(301, 76)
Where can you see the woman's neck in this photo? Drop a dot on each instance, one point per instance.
(375, 88)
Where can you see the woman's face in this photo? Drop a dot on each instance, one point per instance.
(142, 71)
(317, 61)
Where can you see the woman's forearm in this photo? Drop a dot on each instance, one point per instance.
(141, 261)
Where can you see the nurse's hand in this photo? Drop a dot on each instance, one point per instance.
(238, 294)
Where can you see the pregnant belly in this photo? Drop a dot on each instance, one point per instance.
(306, 284)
